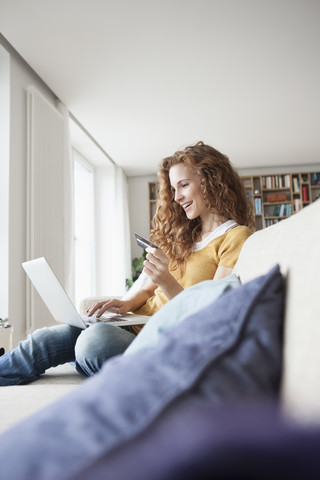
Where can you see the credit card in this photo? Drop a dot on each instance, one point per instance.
(144, 243)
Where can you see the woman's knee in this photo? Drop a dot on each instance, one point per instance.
(98, 343)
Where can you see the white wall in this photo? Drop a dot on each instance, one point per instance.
(21, 76)
(139, 210)
(4, 178)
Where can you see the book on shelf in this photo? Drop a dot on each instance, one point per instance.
(276, 181)
(305, 193)
(297, 204)
(271, 221)
(282, 210)
(315, 179)
(296, 185)
(276, 197)
(276, 211)
(281, 213)
(258, 205)
(287, 182)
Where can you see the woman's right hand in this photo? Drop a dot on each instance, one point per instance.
(113, 305)
(156, 266)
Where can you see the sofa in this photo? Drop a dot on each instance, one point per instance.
(223, 383)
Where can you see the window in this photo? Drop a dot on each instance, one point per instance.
(84, 227)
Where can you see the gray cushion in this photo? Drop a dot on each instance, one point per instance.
(186, 303)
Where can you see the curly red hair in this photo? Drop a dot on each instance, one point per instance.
(223, 192)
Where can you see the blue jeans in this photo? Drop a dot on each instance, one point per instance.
(52, 346)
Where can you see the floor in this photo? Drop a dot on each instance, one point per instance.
(21, 401)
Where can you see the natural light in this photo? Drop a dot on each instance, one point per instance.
(84, 228)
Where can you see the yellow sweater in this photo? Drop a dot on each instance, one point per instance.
(201, 265)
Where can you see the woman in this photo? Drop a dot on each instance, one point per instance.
(202, 220)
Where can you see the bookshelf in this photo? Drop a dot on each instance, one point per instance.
(153, 193)
(273, 197)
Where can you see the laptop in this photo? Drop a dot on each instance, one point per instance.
(60, 305)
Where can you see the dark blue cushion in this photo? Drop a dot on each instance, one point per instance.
(228, 352)
(195, 440)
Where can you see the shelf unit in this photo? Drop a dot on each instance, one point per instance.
(153, 193)
(273, 197)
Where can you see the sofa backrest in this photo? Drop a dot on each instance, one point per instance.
(294, 244)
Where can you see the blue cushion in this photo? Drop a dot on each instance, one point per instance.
(186, 303)
(196, 440)
(226, 353)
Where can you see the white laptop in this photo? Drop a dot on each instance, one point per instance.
(59, 304)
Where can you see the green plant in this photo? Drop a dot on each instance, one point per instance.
(137, 267)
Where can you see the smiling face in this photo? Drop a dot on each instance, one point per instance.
(187, 191)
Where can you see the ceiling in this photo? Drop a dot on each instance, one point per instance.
(147, 77)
